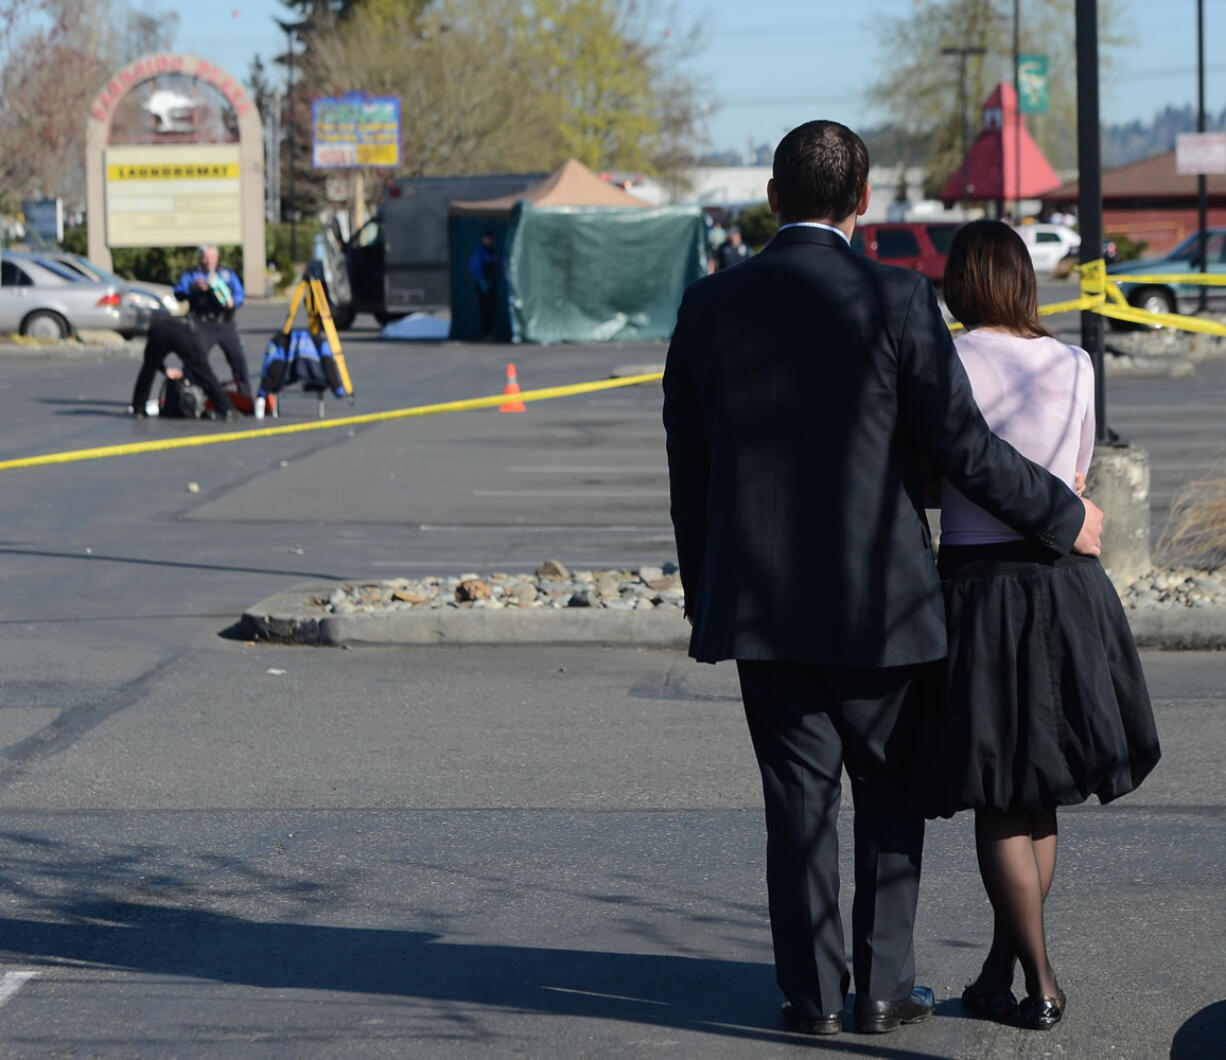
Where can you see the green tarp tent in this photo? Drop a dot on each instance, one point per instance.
(582, 261)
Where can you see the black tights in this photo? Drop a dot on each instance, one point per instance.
(1017, 860)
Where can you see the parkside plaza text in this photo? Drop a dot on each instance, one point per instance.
(154, 65)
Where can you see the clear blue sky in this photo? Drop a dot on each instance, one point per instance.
(775, 64)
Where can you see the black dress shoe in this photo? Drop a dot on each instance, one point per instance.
(1042, 1013)
(880, 1017)
(998, 1005)
(831, 1024)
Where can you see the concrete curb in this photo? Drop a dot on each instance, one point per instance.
(1179, 628)
(288, 618)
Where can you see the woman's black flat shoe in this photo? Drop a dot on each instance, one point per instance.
(998, 1005)
(1042, 1013)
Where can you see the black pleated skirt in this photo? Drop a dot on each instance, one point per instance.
(1045, 700)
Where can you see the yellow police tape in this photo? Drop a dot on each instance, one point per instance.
(1099, 294)
(165, 444)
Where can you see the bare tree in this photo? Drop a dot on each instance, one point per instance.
(918, 87)
(54, 55)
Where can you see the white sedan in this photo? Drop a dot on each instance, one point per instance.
(1048, 244)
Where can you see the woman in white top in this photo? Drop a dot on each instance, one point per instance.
(1045, 701)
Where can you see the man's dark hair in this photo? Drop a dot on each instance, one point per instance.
(989, 280)
(820, 171)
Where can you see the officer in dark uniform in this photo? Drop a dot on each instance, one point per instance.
(734, 250)
(213, 294)
(169, 335)
(484, 266)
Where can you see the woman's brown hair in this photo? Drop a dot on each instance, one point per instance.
(989, 280)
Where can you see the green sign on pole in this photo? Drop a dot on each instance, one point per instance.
(1032, 84)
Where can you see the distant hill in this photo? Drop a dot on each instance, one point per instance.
(1131, 142)
(1137, 140)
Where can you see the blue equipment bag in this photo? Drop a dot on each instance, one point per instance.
(297, 358)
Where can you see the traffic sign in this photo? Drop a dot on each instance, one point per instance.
(1200, 153)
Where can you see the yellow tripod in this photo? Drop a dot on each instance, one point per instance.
(310, 290)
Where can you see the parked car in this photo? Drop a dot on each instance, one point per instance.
(1166, 297)
(147, 299)
(920, 245)
(45, 300)
(1049, 244)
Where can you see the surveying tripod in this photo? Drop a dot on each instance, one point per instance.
(310, 291)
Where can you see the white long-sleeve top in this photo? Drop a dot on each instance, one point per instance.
(1036, 394)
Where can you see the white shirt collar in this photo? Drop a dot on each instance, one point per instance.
(817, 224)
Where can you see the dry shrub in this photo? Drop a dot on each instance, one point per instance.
(1195, 533)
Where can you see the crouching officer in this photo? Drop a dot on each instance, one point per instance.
(169, 335)
(213, 294)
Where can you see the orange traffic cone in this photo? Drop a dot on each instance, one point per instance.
(512, 391)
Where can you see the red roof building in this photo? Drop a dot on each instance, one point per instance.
(990, 171)
(1149, 201)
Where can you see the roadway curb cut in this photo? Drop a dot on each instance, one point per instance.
(289, 619)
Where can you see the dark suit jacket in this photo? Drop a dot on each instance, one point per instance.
(803, 391)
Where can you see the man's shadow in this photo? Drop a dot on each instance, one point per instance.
(733, 998)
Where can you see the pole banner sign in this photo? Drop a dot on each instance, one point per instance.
(355, 130)
(1032, 80)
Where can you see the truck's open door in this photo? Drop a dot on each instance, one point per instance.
(336, 277)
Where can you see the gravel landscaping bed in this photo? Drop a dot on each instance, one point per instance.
(552, 586)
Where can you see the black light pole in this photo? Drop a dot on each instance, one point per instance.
(962, 54)
(1202, 184)
(291, 28)
(1090, 185)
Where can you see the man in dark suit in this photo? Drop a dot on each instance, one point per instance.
(803, 392)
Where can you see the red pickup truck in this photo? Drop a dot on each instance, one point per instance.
(919, 245)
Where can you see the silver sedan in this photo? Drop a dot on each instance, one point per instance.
(44, 300)
(147, 299)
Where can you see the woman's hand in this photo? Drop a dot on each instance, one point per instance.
(1079, 482)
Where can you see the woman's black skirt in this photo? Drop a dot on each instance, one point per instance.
(1045, 702)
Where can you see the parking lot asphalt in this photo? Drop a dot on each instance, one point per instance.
(213, 848)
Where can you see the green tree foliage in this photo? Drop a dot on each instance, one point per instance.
(507, 85)
(919, 87)
(758, 225)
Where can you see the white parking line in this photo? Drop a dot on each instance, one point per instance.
(570, 493)
(12, 982)
(477, 528)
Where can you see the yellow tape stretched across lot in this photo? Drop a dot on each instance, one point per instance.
(162, 445)
(1100, 293)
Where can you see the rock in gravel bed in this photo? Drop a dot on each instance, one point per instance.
(553, 585)
(1176, 587)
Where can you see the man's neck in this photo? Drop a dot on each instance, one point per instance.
(846, 226)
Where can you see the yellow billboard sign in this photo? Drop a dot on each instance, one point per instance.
(172, 195)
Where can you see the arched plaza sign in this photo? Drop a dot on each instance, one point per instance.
(175, 157)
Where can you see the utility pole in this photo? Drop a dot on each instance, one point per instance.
(1202, 182)
(1017, 117)
(1090, 185)
(962, 53)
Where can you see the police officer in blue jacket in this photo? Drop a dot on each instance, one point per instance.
(213, 294)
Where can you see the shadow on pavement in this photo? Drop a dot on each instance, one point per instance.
(1203, 1037)
(703, 995)
(95, 557)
